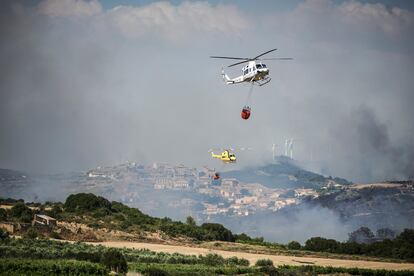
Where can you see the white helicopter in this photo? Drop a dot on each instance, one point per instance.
(254, 72)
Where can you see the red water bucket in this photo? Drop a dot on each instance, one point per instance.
(216, 176)
(245, 114)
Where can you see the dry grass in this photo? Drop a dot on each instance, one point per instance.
(253, 257)
(8, 207)
(261, 249)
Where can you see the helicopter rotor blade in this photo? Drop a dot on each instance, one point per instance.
(236, 58)
(263, 54)
(244, 60)
(282, 58)
(215, 149)
(241, 62)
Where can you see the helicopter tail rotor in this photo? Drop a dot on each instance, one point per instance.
(224, 75)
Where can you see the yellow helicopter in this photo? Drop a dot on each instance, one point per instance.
(226, 156)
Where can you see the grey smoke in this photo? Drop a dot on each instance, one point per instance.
(376, 156)
(298, 224)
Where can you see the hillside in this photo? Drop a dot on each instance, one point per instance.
(283, 174)
(374, 205)
(89, 217)
(86, 217)
(250, 200)
(98, 221)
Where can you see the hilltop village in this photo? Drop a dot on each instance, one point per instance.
(226, 196)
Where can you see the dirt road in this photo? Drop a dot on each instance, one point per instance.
(277, 259)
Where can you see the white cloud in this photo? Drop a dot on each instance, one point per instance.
(377, 15)
(324, 19)
(175, 22)
(69, 8)
(158, 19)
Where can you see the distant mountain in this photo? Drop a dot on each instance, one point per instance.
(37, 187)
(283, 174)
(12, 175)
(14, 183)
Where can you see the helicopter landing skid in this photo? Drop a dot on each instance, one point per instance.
(263, 81)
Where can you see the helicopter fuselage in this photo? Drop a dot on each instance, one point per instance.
(253, 72)
(225, 156)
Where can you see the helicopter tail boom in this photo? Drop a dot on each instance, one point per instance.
(226, 78)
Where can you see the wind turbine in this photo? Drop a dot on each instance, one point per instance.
(274, 151)
(291, 148)
(286, 147)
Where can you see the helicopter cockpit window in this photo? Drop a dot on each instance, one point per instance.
(263, 65)
(258, 66)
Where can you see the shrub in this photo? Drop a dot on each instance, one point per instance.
(55, 235)
(31, 233)
(264, 262)
(190, 221)
(270, 270)
(49, 267)
(155, 271)
(294, 245)
(55, 212)
(3, 214)
(237, 261)
(4, 235)
(114, 260)
(212, 260)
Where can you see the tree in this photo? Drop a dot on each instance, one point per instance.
(190, 221)
(361, 235)
(86, 202)
(22, 212)
(114, 260)
(217, 232)
(405, 245)
(294, 245)
(407, 236)
(3, 235)
(56, 211)
(385, 233)
(242, 237)
(31, 233)
(322, 244)
(3, 214)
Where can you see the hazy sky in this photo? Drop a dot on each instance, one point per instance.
(88, 83)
